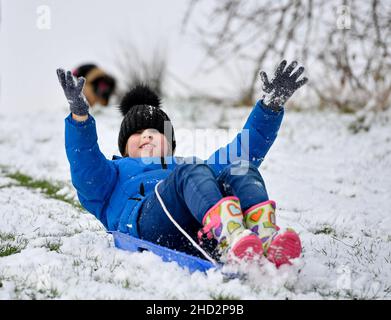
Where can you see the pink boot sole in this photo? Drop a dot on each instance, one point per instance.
(248, 247)
(284, 247)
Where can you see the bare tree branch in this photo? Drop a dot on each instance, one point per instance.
(348, 39)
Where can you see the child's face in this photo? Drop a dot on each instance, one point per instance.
(147, 143)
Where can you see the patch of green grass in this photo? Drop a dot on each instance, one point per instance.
(221, 296)
(48, 188)
(10, 244)
(53, 245)
(7, 237)
(8, 249)
(326, 229)
(54, 293)
(50, 293)
(8, 186)
(126, 284)
(76, 263)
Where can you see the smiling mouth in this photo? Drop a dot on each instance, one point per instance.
(147, 146)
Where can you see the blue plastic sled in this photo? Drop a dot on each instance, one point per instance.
(129, 243)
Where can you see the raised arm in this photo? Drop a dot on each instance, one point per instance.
(282, 86)
(93, 176)
(253, 142)
(262, 125)
(73, 90)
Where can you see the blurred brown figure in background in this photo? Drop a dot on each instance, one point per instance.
(99, 85)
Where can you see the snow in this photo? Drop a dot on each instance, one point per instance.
(330, 185)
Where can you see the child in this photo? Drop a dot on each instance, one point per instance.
(220, 199)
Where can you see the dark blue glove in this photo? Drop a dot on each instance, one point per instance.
(73, 89)
(282, 86)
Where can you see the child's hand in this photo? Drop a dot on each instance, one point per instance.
(282, 86)
(73, 89)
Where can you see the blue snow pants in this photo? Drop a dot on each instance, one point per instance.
(188, 193)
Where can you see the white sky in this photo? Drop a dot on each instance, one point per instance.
(86, 31)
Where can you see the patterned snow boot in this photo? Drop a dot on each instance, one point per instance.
(224, 222)
(278, 248)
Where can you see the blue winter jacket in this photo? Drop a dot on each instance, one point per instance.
(110, 189)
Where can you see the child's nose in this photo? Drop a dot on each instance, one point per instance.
(147, 135)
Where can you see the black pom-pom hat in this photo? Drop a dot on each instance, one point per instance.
(141, 110)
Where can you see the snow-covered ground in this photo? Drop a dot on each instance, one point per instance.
(331, 186)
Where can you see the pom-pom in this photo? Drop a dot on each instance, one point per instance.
(139, 95)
